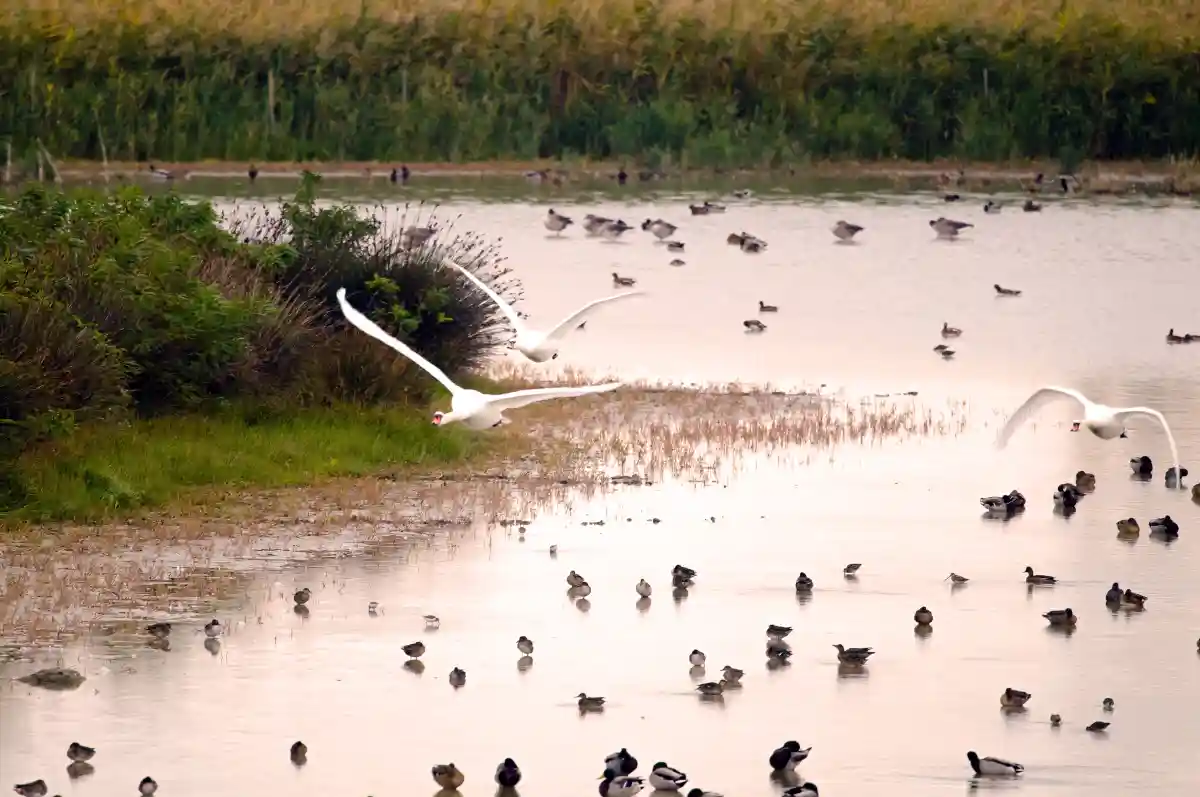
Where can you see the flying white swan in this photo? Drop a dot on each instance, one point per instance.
(540, 346)
(477, 410)
(1104, 422)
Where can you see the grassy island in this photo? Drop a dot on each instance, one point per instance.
(703, 82)
(146, 349)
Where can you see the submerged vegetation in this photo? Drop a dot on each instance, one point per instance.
(146, 349)
(707, 82)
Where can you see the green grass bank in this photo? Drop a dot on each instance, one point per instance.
(701, 82)
(149, 349)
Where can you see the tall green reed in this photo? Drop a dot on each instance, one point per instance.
(543, 80)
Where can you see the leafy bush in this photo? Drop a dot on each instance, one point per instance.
(129, 302)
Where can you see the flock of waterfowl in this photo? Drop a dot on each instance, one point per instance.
(483, 411)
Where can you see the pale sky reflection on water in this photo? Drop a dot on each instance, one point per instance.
(1102, 283)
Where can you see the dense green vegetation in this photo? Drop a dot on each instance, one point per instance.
(145, 348)
(710, 83)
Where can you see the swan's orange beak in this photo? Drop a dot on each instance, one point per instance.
(1075, 426)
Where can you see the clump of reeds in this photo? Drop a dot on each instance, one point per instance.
(306, 80)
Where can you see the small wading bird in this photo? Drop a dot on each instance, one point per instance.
(556, 222)
(1006, 291)
(1105, 422)
(536, 345)
(948, 229)
(474, 409)
(845, 231)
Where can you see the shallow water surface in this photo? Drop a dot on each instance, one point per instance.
(1101, 282)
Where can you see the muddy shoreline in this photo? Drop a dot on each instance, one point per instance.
(1101, 177)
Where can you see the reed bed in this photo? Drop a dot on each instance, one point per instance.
(701, 82)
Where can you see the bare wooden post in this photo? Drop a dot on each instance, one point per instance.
(53, 167)
(271, 100)
(8, 162)
(985, 82)
(41, 169)
(404, 87)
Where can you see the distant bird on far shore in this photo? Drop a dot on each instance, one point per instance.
(252, 172)
(1006, 291)
(160, 174)
(844, 231)
(557, 222)
(948, 229)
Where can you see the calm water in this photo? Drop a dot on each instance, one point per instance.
(1102, 283)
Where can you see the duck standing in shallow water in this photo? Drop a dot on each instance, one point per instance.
(732, 676)
(993, 766)
(1064, 618)
(1037, 579)
(1108, 704)
(1128, 528)
(80, 754)
(448, 776)
(458, 678)
(213, 629)
(923, 616)
(665, 778)
(35, 788)
(301, 597)
(525, 645)
(853, 655)
(697, 659)
(1141, 466)
(682, 576)
(803, 583)
(148, 786)
(1014, 698)
(414, 650)
(845, 231)
(621, 762)
(1164, 527)
(788, 756)
(1113, 596)
(1066, 496)
(1172, 479)
(1004, 504)
(556, 222)
(508, 774)
(1084, 481)
(614, 785)
(1133, 600)
(298, 753)
(949, 331)
(643, 588)
(806, 789)
(574, 579)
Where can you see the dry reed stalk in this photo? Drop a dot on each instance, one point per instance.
(610, 21)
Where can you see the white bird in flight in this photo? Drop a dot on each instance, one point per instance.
(1104, 422)
(477, 410)
(540, 346)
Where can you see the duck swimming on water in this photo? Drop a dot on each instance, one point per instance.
(1164, 527)
(614, 785)
(788, 756)
(1014, 698)
(1035, 578)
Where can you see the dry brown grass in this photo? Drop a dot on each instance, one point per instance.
(610, 21)
(64, 582)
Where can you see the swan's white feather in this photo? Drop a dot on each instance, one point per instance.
(1032, 404)
(521, 398)
(572, 321)
(505, 307)
(374, 330)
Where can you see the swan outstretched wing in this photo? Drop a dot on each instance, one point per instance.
(574, 319)
(1032, 405)
(504, 306)
(1122, 414)
(374, 330)
(521, 398)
